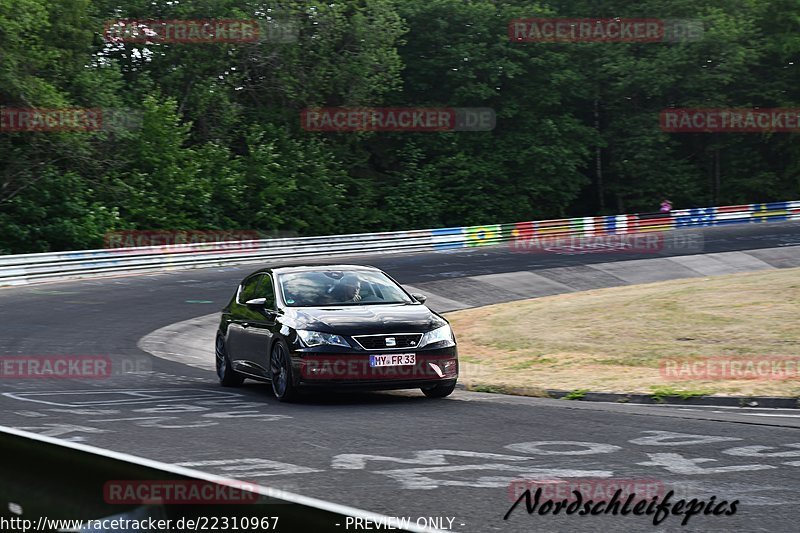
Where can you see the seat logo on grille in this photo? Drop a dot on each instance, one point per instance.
(390, 341)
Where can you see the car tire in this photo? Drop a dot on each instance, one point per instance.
(228, 377)
(280, 363)
(439, 391)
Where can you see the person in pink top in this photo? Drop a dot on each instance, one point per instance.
(666, 206)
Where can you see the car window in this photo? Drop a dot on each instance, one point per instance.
(247, 291)
(266, 290)
(333, 288)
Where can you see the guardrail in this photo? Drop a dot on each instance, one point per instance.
(44, 480)
(26, 268)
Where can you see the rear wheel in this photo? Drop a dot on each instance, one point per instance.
(439, 391)
(280, 366)
(228, 377)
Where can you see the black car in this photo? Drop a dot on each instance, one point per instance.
(333, 326)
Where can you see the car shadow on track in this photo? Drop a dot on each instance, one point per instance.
(328, 398)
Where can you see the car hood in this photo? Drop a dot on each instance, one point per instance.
(362, 319)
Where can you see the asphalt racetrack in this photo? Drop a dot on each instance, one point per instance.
(457, 460)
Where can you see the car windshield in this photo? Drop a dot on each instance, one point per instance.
(323, 288)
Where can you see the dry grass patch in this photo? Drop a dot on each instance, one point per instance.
(615, 339)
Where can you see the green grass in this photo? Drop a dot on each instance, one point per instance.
(577, 394)
(493, 389)
(659, 393)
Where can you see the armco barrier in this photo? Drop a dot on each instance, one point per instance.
(25, 268)
(43, 480)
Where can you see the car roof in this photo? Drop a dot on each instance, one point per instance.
(282, 269)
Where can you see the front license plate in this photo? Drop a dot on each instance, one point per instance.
(395, 359)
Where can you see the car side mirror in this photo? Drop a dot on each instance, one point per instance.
(256, 302)
(421, 298)
(260, 304)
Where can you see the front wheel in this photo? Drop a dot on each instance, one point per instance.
(440, 391)
(228, 377)
(280, 366)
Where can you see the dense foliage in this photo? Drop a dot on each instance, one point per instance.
(217, 142)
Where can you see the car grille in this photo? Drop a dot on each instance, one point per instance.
(402, 341)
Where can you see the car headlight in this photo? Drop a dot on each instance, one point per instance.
(317, 338)
(441, 334)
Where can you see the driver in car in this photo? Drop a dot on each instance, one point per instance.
(347, 290)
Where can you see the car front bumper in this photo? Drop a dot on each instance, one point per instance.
(352, 370)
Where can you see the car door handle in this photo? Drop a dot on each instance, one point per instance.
(245, 325)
